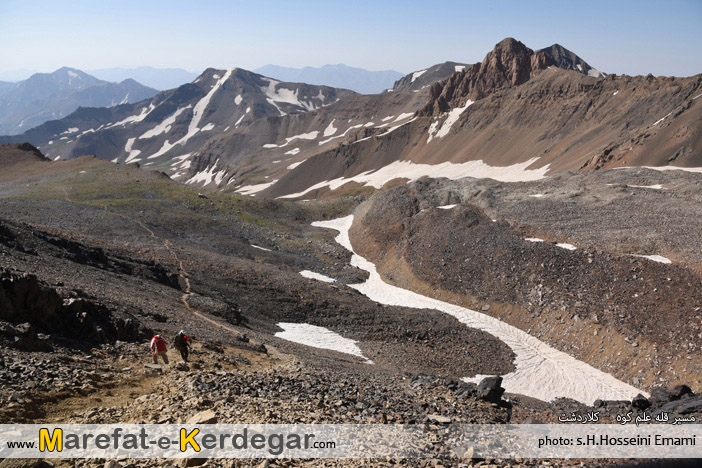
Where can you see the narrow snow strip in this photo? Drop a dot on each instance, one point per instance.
(301, 136)
(446, 207)
(412, 171)
(392, 129)
(200, 108)
(541, 371)
(533, 239)
(293, 151)
(655, 187)
(319, 337)
(164, 149)
(251, 189)
(135, 118)
(661, 120)
(316, 276)
(566, 246)
(260, 248)
(165, 126)
(294, 165)
(537, 195)
(404, 116)
(656, 258)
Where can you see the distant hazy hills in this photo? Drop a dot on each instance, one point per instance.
(337, 76)
(50, 96)
(158, 78)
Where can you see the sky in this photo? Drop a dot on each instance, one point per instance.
(622, 37)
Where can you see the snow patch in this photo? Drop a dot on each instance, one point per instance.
(567, 246)
(417, 74)
(452, 118)
(330, 130)
(132, 153)
(260, 248)
(340, 136)
(446, 207)
(293, 151)
(251, 189)
(533, 239)
(316, 276)
(319, 337)
(460, 68)
(294, 165)
(656, 258)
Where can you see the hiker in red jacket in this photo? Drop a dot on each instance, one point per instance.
(158, 348)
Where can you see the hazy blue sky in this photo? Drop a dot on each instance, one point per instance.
(633, 37)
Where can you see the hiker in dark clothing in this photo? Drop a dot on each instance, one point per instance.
(182, 342)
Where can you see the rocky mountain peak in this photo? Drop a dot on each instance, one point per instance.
(510, 63)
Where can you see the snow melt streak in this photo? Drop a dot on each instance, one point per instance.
(541, 371)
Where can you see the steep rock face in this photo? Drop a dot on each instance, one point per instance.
(510, 63)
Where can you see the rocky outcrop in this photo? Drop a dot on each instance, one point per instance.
(509, 64)
(41, 312)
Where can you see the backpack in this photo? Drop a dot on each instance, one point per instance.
(179, 341)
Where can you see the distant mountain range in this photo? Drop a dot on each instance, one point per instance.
(338, 76)
(50, 96)
(158, 78)
(518, 113)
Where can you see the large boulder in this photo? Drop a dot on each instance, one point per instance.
(490, 389)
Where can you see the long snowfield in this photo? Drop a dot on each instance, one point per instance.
(518, 172)
(541, 371)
